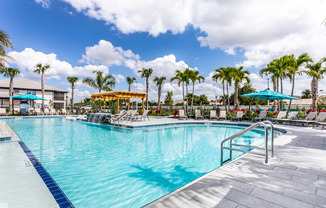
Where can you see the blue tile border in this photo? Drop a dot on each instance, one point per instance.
(55, 190)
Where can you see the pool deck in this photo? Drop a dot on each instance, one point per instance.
(296, 177)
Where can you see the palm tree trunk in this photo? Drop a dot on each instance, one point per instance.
(159, 97)
(193, 95)
(11, 89)
(42, 91)
(281, 105)
(72, 95)
(129, 91)
(227, 91)
(274, 80)
(147, 86)
(314, 91)
(236, 101)
(292, 91)
(183, 95)
(224, 100)
(187, 95)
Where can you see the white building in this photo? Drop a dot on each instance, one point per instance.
(55, 96)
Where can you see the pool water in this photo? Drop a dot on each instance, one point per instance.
(104, 166)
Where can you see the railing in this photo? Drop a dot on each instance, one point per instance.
(265, 148)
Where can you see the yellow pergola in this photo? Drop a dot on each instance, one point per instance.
(117, 95)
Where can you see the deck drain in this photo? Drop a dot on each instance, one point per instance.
(235, 164)
(27, 163)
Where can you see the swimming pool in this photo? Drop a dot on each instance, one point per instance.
(104, 166)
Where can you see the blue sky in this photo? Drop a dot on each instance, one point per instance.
(76, 37)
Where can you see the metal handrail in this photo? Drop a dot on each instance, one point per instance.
(231, 138)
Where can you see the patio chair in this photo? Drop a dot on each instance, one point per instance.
(198, 115)
(305, 121)
(132, 116)
(280, 116)
(63, 112)
(144, 115)
(182, 115)
(292, 115)
(212, 115)
(38, 111)
(222, 115)
(121, 116)
(3, 112)
(52, 111)
(261, 117)
(238, 117)
(320, 119)
(46, 111)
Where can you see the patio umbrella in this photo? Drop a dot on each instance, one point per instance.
(268, 95)
(27, 97)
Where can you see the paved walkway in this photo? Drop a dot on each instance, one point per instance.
(296, 177)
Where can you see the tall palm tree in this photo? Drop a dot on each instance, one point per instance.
(294, 68)
(146, 73)
(316, 71)
(130, 81)
(194, 77)
(101, 81)
(4, 43)
(159, 82)
(40, 69)
(238, 75)
(10, 73)
(181, 78)
(186, 76)
(223, 74)
(72, 80)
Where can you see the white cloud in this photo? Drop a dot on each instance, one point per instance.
(105, 53)
(119, 78)
(44, 3)
(78, 95)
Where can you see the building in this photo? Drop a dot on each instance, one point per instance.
(55, 97)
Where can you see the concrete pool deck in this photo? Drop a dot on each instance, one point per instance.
(296, 177)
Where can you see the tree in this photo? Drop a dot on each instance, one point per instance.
(316, 71)
(40, 69)
(10, 73)
(186, 77)
(181, 78)
(168, 98)
(130, 81)
(294, 68)
(238, 76)
(72, 80)
(222, 74)
(146, 73)
(305, 94)
(159, 82)
(194, 77)
(101, 81)
(4, 43)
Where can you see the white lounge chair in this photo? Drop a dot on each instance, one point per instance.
(52, 111)
(38, 111)
(262, 116)
(280, 116)
(198, 115)
(46, 111)
(212, 115)
(144, 115)
(222, 115)
(238, 117)
(292, 115)
(63, 112)
(320, 119)
(303, 122)
(3, 112)
(182, 115)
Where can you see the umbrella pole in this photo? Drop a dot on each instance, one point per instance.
(249, 109)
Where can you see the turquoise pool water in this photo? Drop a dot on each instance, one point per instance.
(104, 166)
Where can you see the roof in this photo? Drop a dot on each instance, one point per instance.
(114, 95)
(23, 83)
(301, 102)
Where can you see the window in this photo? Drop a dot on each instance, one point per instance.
(16, 91)
(32, 92)
(59, 96)
(58, 106)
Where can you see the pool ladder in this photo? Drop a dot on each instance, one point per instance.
(265, 148)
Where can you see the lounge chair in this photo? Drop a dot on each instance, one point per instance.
(182, 115)
(280, 116)
(292, 115)
(144, 115)
(238, 117)
(198, 115)
(320, 119)
(212, 115)
(52, 111)
(305, 121)
(46, 111)
(132, 116)
(38, 111)
(3, 112)
(63, 112)
(262, 116)
(222, 115)
(322, 124)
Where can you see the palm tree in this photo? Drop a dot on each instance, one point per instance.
(194, 77)
(11, 73)
(101, 82)
(238, 76)
(181, 78)
(146, 73)
(305, 94)
(316, 71)
(40, 69)
(72, 80)
(186, 76)
(295, 68)
(159, 82)
(130, 81)
(224, 75)
(4, 43)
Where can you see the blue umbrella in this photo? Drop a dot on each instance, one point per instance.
(269, 95)
(27, 97)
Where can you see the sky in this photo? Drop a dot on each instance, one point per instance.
(121, 37)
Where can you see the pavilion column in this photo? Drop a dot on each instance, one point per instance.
(143, 104)
(118, 105)
(128, 103)
(104, 106)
